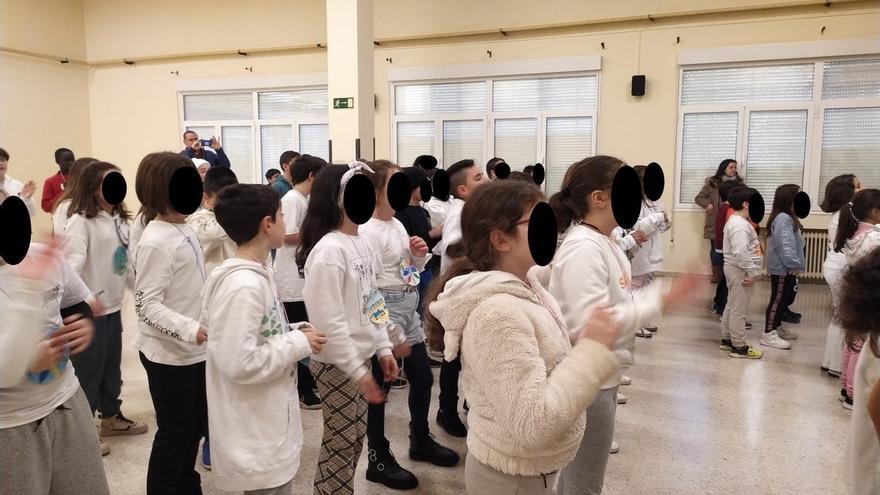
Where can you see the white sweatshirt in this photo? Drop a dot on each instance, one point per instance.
(741, 246)
(13, 188)
(438, 210)
(451, 232)
(290, 283)
(97, 249)
(343, 301)
(60, 218)
(590, 269)
(169, 276)
(250, 377)
(216, 245)
(648, 258)
(400, 269)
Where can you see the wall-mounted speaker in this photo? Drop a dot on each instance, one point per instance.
(638, 85)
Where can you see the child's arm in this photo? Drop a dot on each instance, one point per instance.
(873, 404)
(154, 274)
(236, 346)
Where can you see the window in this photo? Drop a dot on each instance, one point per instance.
(547, 120)
(255, 127)
(763, 116)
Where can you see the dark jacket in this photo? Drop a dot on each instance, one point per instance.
(709, 195)
(281, 186)
(216, 158)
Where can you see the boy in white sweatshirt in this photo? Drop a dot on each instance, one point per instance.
(742, 263)
(253, 352)
(216, 245)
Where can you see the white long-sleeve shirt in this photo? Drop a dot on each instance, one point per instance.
(97, 250)
(344, 302)
(169, 277)
(290, 283)
(741, 246)
(438, 210)
(216, 244)
(389, 239)
(60, 218)
(451, 232)
(13, 188)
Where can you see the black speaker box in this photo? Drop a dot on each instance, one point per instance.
(638, 85)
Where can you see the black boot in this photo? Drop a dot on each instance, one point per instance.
(451, 423)
(791, 317)
(383, 468)
(423, 447)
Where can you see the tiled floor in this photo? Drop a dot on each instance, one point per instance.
(697, 422)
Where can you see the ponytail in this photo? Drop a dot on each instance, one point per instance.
(433, 328)
(563, 209)
(581, 179)
(859, 210)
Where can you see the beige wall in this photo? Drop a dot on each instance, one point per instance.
(45, 104)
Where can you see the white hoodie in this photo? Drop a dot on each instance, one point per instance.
(97, 249)
(590, 269)
(865, 240)
(250, 377)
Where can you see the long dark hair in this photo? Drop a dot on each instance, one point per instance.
(582, 178)
(85, 203)
(151, 184)
(722, 167)
(783, 203)
(860, 290)
(851, 214)
(71, 185)
(498, 205)
(839, 191)
(323, 214)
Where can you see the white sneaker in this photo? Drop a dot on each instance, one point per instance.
(621, 399)
(773, 339)
(105, 447)
(615, 448)
(786, 333)
(625, 380)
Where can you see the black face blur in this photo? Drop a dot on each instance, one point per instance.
(65, 162)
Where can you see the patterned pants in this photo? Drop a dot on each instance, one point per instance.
(345, 424)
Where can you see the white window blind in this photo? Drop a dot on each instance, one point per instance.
(238, 143)
(707, 139)
(561, 93)
(293, 103)
(745, 84)
(516, 140)
(461, 97)
(462, 139)
(851, 145)
(847, 79)
(274, 140)
(414, 139)
(218, 106)
(204, 132)
(776, 149)
(569, 140)
(313, 140)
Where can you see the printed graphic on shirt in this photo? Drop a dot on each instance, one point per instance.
(409, 272)
(57, 369)
(373, 309)
(271, 324)
(120, 261)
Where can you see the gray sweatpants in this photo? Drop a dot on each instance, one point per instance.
(585, 475)
(480, 479)
(56, 455)
(733, 322)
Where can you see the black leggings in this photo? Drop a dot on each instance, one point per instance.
(783, 290)
(418, 372)
(449, 372)
(296, 313)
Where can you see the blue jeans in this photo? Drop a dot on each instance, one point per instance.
(403, 306)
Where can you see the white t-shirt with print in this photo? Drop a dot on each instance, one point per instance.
(287, 275)
(399, 268)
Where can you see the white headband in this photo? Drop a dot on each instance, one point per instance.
(354, 168)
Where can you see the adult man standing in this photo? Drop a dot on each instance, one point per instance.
(194, 149)
(12, 187)
(284, 183)
(53, 187)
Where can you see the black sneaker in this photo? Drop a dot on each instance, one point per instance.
(848, 403)
(309, 401)
(451, 423)
(715, 310)
(791, 317)
(843, 395)
(726, 345)
(399, 383)
(384, 469)
(426, 449)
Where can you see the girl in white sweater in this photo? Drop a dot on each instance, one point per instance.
(590, 269)
(97, 249)
(169, 276)
(61, 212)
(343, 300)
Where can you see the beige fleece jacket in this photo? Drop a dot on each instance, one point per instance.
(526, 386)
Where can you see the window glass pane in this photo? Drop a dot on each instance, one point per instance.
(742, 84)
(218, 106)
(561, 93)
(569, 140)
(460, 97)
(414, 139)
(707, 139)
(462, 139)
(291, 104)
(313, 140)
(274, 140)
(851, 79)
(776, 147)
(851, 145)
(516, 141)
(204, 132)
(238, 143)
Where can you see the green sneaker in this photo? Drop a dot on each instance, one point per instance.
(745, 352)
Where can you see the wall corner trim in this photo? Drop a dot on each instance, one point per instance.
(780, 51)
(489, 69)
(252, 83)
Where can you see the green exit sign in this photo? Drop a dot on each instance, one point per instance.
(343, 102)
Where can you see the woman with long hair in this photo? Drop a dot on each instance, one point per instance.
(709, 199)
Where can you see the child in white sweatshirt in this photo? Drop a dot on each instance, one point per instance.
(61, 210)
(97, 248)
(403, 258)
(169, 277)
(743, 258)
(343, 300)
(216, 245)
(253, 352)
(590, 269)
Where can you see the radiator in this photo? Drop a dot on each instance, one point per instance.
(816, 245)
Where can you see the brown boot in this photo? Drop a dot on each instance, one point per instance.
(120, 425)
